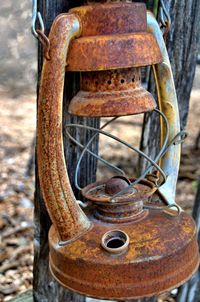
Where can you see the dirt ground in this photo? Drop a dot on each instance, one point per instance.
(17, 132)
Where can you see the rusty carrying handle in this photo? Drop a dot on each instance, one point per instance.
(66, 215)
(168, 104)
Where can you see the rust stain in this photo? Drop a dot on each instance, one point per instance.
(108, 54)
(156, 251)
(115, 18)
(112, 52)
(113, 36)
(65, 214)
(160, 256)
(111, 93)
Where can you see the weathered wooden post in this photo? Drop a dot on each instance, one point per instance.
(45, 288)
(182, 45)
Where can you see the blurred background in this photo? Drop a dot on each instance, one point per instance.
(18, 66)
(18, 48)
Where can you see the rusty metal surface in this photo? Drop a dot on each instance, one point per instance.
(113, 36)
(115, 184)
(111, 80)
(113, 52)
(65, 213)
(111, 18)
(111, 93)
(162, 254)
(125, 208)
(128, 252)
(115, 242)
(96, 192)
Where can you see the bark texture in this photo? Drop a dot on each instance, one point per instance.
(190, 291)
(45, 289)
(182, 45)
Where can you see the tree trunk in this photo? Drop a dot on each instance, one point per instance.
(45, 288)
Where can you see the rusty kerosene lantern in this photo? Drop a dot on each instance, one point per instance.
(125, 244)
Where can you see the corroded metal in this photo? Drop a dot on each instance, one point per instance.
(162, 254)
(111, 18)
(117, 249)
(115, 242)
(65, 213)
(97, 192)
(169, 106)
(112, 52)
(111, 93)
(116, 184)
(113, 36)
(114, 42)
(125, 208)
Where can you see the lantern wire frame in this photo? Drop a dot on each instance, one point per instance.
(154, 163)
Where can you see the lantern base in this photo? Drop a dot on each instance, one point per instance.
(132, 260)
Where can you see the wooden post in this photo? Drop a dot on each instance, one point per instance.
(190, 291)
(182, 45)
(45, 288)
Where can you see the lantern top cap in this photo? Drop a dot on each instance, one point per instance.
(112, 36)
(111, 18)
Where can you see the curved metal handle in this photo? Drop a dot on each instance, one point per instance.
(169, 106)
(66, 215)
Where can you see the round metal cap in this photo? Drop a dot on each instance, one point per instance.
(112, 36)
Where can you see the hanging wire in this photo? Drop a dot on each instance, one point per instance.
(39, 32)
(36, 15)
(165, 19)
(182, 134)
(85, 148)
(175, 141)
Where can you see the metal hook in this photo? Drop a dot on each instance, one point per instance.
(164, 19)
(36, 15)
(167, 21)
(39, 32)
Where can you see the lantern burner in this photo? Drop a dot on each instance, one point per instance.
(116, 184)
(96, 192)
(125, 208)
